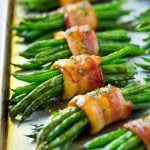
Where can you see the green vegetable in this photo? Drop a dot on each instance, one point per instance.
(125, 141)
(51, 84)
(35, 27)
(112, 140)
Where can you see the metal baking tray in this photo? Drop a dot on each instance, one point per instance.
(11, 136)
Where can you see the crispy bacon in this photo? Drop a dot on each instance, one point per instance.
(81, 74)
(81, 40)
(80, 13)
(102, 107)
(141, 127)
(65, 2)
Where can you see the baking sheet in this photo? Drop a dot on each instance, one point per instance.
(16, 139)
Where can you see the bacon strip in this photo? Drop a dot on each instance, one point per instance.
(81, 74)
(81, 40)
(81, 13)
(92, 110)
(102, 107)
(141, 127)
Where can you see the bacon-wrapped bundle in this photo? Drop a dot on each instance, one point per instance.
(141, 127)
(82, 73)
(103, 107)
(133, 135)
(81, 13)
(81, 40)
(76, 75)
(94, 110)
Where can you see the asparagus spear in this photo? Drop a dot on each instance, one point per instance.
(53, 86)
(43, 26)
(47, 139)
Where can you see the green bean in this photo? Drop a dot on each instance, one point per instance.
(117, 78)
(20, 107)
(140, 147)
(111, 14)
(54, 91)
(117, 69)
(45, 26)
(131, 83)
(44, 5)
(42, 52)
(118, 141)
(107, 47)
(144, 66)
(110, 47)
(16, 99)
(147, 78)
(53, 123)
(51, 58)
(142, 97)
(101, 141)
(46, 43)
(131, 143)
(28, 66)
(64, 125)
(117, 61)
(114, 35)
(37, 76)
(142, 105)
(147, 59)
(143, 28)
(107, 6)
(118, 54)
(24, 89)
(134, 90)
(147, 45)
(76, 129)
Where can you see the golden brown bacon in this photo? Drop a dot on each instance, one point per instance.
(141, 127)
(102, 107)
(81, 40)
(81, 74)
(80, 13)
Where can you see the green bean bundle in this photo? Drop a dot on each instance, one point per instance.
(45, 52)
(129, 137)
(64, 126)
(46, 84)
(44, 5)
(43, 26)
(145, 66)
(142, 22)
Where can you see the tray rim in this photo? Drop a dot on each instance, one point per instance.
(7, 8)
